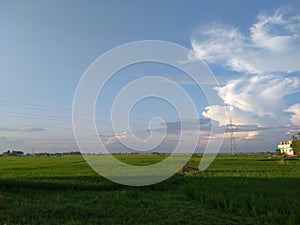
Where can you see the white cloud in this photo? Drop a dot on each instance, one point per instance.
(222, 115)
(295, 109)
(272, 44)
(251, 134)
(261, 95)
(257, 99)
(112, 139)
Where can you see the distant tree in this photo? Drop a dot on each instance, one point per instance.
(296, 144)
(7, 153)
(17, 153)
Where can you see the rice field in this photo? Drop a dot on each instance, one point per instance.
(238, 189)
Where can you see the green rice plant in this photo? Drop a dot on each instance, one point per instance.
(239, 189)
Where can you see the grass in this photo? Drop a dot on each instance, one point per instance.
(240, 189)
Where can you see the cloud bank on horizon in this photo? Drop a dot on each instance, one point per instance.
(267, 60)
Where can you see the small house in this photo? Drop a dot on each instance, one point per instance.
(286, 148)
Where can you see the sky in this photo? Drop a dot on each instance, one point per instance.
(252, 47)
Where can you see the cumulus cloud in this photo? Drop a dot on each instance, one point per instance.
(261, 95)
(271, 45)
(222, 115)
(112, 139)
(257, 99)
(269, 49)
(295, 110)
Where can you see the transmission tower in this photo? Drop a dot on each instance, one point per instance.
(231, 129)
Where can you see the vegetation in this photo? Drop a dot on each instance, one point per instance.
(296, 144)
(239, 189)
(13, 153)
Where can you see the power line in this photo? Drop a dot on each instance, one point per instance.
(36, 107)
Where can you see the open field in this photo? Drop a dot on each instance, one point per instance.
(240, 189)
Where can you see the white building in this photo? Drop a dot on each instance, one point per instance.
(286, 148)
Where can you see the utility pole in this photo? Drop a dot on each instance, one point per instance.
(231, 129)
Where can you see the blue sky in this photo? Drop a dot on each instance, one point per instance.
(252, 47)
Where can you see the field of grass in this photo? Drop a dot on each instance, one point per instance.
(240, 189)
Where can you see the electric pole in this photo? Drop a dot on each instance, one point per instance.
(231, 129)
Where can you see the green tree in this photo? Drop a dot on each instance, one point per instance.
(296, 144)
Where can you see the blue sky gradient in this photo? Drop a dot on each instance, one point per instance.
(45, 47)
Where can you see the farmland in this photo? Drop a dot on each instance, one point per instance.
(239, 189)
